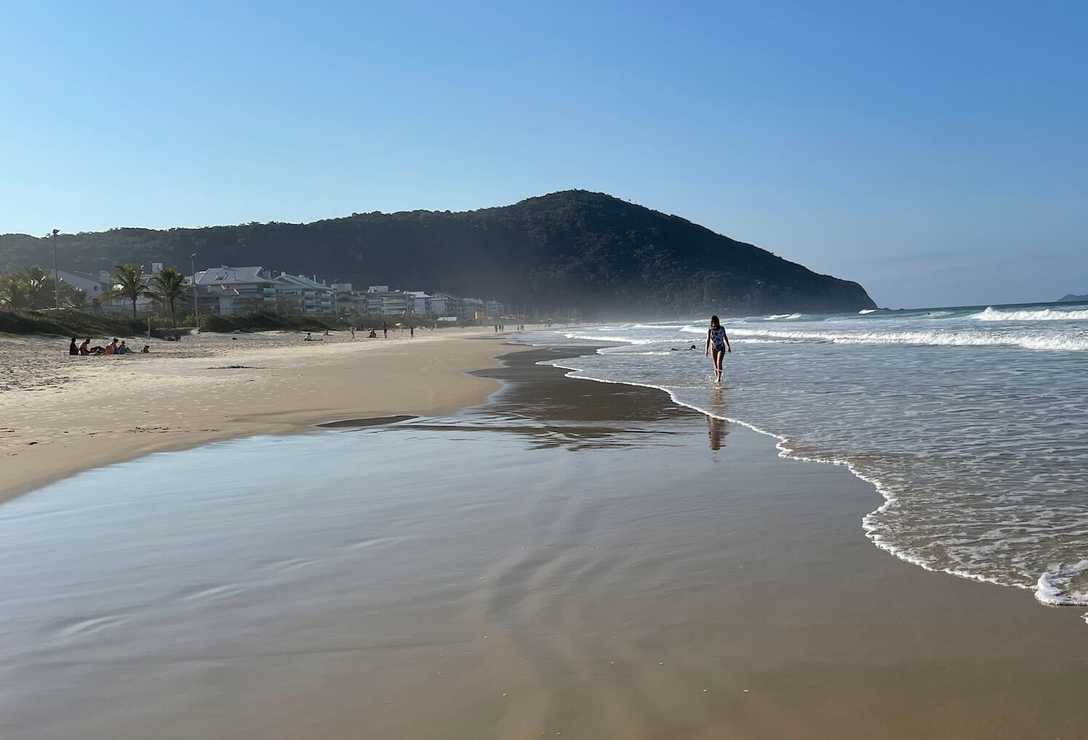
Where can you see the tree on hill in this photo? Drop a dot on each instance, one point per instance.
(168, 285)
(39, 287)
(129, 281)
(14, 293)
(32, 289)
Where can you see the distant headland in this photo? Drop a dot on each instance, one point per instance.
(570, 253)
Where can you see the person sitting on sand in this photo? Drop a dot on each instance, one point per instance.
(146, 350)
(72, 348)
(717, 338)
(111, 347)
(309, 337)
(85, 348)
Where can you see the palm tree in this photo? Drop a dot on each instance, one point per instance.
(169, 285)
(129, 282)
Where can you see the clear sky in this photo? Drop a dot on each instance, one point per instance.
(935, 152)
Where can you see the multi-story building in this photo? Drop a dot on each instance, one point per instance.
(91, 286)
(239, 290)
(418, 302)
(229, 291)
(300, 294)
(347, 300)
(392, 304)
(473, 309)
(439, 304)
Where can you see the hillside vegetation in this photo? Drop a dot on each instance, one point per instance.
(566, 253)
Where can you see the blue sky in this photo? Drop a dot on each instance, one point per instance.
(935, 152)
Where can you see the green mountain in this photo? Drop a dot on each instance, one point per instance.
(572, 251)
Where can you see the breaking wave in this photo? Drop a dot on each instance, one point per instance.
(1053, 342)
(1058, 586)
(607, 338)
(1044, 314)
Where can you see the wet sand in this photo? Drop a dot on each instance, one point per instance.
(572, 559)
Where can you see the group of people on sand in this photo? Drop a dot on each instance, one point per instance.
(114, 347)
(372, 335)
(500, 327)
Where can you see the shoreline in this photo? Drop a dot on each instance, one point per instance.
(298, 420)
(786, 452)
(217, 388)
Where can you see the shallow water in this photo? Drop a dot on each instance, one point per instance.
(972, 421)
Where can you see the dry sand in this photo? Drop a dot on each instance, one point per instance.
(61, 414)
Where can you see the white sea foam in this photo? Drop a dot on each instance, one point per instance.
(1068, 342)
(865, 311)
(783, 316)
(1043, 314)
(607, 338)
(1055, 586)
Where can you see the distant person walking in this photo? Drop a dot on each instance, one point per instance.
(718, 341)
(385, 329)
(412, 330)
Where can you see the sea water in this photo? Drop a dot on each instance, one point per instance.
(972, 422)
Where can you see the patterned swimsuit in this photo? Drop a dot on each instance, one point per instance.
(717, 339)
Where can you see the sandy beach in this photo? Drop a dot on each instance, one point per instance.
(61, 414)
(569, 559)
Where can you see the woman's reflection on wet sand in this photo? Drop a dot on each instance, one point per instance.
(717, 427)
(716, 430)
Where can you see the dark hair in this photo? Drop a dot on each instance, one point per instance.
(714, 321)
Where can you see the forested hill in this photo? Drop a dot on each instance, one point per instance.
(563, 252)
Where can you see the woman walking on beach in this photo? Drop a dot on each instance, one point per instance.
(717, 340)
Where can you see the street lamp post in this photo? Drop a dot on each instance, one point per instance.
(56, 275)
(196, 309)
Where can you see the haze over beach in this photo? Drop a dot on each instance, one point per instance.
(437, 371)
